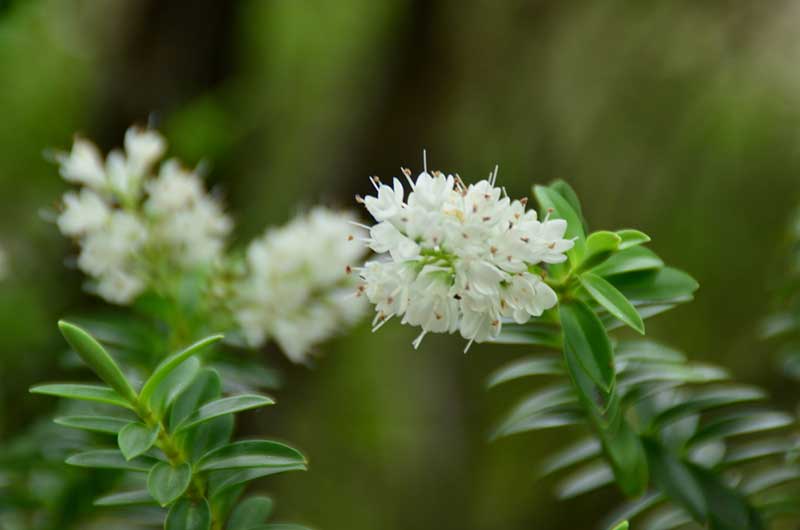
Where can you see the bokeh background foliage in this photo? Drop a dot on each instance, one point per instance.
(680, 118)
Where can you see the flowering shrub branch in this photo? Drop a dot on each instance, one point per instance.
(179, 437)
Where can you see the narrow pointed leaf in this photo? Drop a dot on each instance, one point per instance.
(110, 459)
(223, 406)
(250, 513)
(127, 498)
(588, 478)
(526, 368)
(632, 259)
(631, 238)
(136, 438)
(251, 453)
(103, 424)
(189, 515)
(166, 483)
(609, 297)
(622, 526)
(98, 360)
(97, 393)
(656, 286)
(586, 341)
(599, 247)
(172, 362)
(223, 482)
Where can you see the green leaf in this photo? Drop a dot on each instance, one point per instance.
(657, 285)
(551, 200)
(136, 438)
(250, 513)
(223, 482)
(609, 297)
(127, 498)
(98, 360)
(573, 454)
(631, 238)
(566, 191)
(599, 247)
(171, 387)
(706, 399)
(97, 393)
(676, 480)
(627, 457)
(223, 406)
(251, 453)
(207, 436)
(530, 333)
(622, 526)
(205, 387)
(171, 363)
(187, 514)
(586, 341)
(110, 459)
(540, 403)
(739, 423)
(727, 509)
(104, 424)
(526, 368)
(588, 478)
(166, 483)
(629, 260)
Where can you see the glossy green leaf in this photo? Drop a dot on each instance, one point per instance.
(97, 393)
(136, 438)
(104, 424)
(627, 457)
(559, 208)
(610, 298)
(110, 459)
(127, 498)
(173, 385)
(188, 514)
(573, 454)
(727, 509)
(657, 285)
(566, 191)
(599, 247)
(94, 355)
(632, 259)
(530, 333)
(526, 368)
(250, 513)
(205, 387)
(676, 480)
(585, 340)
(207, 436)
(166, 483)
(220, 407)
(223, 482)
(706, 399)
(737, 424)
(588, 478)
(622, 526)
(631, 238)
(251, 453)
(171, 363)
(529, 412)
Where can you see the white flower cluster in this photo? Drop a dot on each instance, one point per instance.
(458, 257)
(124, 216)
(297, 289)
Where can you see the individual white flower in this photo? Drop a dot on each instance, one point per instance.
(458, 257)
(143, 147)
(83, 212)
(296, 277)
(114, 245)
(83, 165)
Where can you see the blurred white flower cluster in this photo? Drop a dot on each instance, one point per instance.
(131, 221)
(297, 288)
(458, 257)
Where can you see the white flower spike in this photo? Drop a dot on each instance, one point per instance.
(297, 289)
(457, 257)
(125, 217)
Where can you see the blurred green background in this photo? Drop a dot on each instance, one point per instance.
(678, 117)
